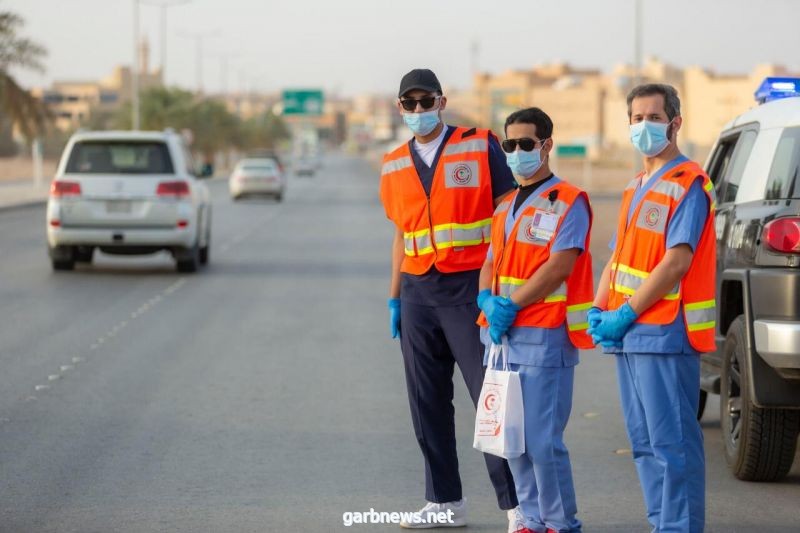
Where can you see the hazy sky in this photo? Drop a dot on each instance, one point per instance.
(354, 46)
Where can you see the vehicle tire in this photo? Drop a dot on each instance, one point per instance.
(204, 252)
(279, 197)
(63, 264)
(701, 406)
(188, 259)
(759, 443)
(84, 254)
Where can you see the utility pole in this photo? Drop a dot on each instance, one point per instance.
(474, 49)
(164, 5)
(637, 42)
(135, 69)
(198, 38)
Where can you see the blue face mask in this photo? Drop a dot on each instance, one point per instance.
(650, 138)
(422, 123)
(524, 164)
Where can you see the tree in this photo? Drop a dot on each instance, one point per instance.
(160, 107)
(213, 127)
(264, 131)
(21, 108)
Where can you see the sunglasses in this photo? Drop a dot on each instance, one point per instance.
(526, 143)
(427, 102)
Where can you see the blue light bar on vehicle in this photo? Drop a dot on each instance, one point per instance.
(777, 88)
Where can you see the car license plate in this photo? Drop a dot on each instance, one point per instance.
(118, 206)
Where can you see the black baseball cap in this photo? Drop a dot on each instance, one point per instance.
(420, 78)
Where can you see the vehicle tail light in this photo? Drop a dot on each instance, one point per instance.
(59, 189)
(173, 188)
(183, 223)
(783, 235)
(55, 223)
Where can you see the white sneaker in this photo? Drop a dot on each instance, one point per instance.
(516, 520)
(426, 518)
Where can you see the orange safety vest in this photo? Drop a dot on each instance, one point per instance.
(642, 245)
(450, 229)
(528, 248)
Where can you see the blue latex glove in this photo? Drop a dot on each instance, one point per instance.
(503, 319)
(594, 316)
(606, 343)
(394, 316)
(482, 296)
(496, 308)
(613, 324)
(496, 334)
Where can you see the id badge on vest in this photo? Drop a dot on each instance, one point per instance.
(538, 229)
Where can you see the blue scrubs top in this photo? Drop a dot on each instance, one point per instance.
(435, 288)
(549, 347)
(685, 227)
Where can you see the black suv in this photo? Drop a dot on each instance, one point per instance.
(755, 167)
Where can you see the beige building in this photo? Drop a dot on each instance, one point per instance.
(589, 107)
(73, 102)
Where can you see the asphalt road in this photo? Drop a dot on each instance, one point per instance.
(264, 394)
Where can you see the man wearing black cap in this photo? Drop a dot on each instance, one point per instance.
(440, 190)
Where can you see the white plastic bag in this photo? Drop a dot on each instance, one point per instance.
(500, 418)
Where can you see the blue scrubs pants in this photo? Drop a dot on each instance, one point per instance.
(543, 474)
(659, 395)
(433, 340)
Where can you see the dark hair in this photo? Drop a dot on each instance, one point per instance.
(672, 104)
(535, 116)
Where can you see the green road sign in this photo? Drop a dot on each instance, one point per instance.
(302, 102)
(571, 150)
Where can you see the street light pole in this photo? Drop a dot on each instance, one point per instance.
(135, 68)
(164, 5)
(637, 42)
(198, 37)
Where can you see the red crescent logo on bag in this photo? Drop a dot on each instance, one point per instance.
(491, 402)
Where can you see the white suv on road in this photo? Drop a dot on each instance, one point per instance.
(128, 192)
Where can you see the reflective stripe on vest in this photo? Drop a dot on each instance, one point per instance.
(669, 188)
(700, 315)
(418, 242)
(508, 285)
(396, 164)
(709, 188)
(454, 235)
(578, 316)
(472, 145)
(628, 280)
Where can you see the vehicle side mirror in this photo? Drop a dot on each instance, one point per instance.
(207, 170)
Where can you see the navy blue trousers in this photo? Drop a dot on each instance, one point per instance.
(433, 340)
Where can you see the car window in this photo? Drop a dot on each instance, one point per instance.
(735, 172)
(259, 166)
(720, 161)
(120, 157)
(782, 182)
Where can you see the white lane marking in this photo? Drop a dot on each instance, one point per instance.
(153, 301)
(591, 415)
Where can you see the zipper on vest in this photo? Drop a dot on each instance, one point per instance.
(430, 225)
